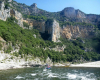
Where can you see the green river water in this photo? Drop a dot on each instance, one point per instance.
(55, 73)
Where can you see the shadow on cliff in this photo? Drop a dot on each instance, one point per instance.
(45, 36)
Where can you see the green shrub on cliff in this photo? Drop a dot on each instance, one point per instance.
(74, 23)
(36, 17)
(25, 24)
(0, 45)
(9, 49)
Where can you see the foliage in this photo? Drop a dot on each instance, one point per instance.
(0, 45)
(12, 20)
(50, 21)
(10, 31)
(74, 23)
(25, 24)
(9, 49)
(37, 47)
(36, 17)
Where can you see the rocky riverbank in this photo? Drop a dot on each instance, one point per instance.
(9, 61)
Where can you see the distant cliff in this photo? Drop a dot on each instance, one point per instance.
(79, 16)
(67, 14)
(72, 13)
(52, 28)
(6, 13)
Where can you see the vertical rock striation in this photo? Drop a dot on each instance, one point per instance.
(55, 31)
(70, 31)
(19, 17)
(6, 13)
(53, 28)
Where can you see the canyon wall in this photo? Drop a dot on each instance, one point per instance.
(39, 25)
(70, 31)
(52, 27)
(55, 31)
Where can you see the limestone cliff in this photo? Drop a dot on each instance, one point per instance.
(53, 28)
(67, 14)
(72, 13)
(55, 31)
(70, 31)
(6, 13)
(94, 19)
(19, 17)
(39, 25)
(33, 8)
(78, 16)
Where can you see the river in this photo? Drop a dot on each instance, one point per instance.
(55, 73)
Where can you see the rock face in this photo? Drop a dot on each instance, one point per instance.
(34, 8)
(39, 25)
(72, 13)
(2, 40)
(19, 17)
(69, 12)
(55, 31)
(70, 31)
(9, 0)
(6, 13)
(53, 28)
(79, 16)
(94, 19)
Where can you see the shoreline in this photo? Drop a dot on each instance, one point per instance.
(9, 61)
(6, 66)
(95, 64)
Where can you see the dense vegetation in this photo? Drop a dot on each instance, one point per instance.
(24, 38)
(29, 45)
(75, 50)
(36, 17)
(81, 50)
(74, 23)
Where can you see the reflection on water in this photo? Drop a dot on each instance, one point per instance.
(53, 74)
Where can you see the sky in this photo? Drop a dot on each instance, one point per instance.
(86, 6)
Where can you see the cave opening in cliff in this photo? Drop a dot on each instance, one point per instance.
(45, 36)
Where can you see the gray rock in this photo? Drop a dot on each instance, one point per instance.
(6, 13)
(69, 12)
(53, 29)
(34, 35)
(19, 17)
(9, 0)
